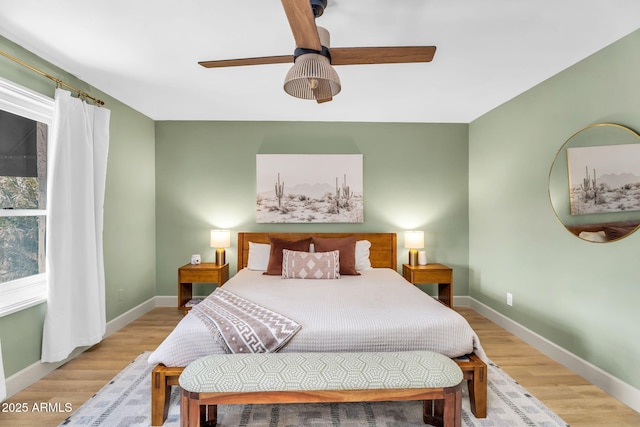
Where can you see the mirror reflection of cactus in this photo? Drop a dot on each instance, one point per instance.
(590, 188)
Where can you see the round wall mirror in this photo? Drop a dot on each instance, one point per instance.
(594, 183)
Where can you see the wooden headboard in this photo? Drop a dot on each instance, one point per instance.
(383, 245)
(613, 230)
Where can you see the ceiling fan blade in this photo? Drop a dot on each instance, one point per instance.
(302, 23)
(282, 59)
(381, 55)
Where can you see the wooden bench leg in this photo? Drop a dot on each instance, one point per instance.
(184, 408)
(477, 385)
(452, 407)
(428, 412)
(160, 393)
(446, 412)
(208, 415)
(432, 412)
(475, 372)
(162, 378)
(191, 411)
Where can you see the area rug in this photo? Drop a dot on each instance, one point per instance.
(125, 401)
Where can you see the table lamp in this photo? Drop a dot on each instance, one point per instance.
(413, 240)
(220, 239)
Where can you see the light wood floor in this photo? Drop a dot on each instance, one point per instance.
(571, 397)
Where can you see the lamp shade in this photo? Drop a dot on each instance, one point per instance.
(312, 77)
(220, 238)
(414, 239)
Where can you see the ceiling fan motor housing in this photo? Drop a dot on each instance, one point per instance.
(325, 39)
(318, 7)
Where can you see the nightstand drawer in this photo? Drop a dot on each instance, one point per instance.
(202, 276)
(431, 276)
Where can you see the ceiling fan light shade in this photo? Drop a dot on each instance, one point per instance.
(312, 77)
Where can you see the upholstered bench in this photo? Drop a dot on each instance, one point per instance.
(272, 378)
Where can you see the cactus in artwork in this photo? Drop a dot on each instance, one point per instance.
(279, 190)
(346, 191)
(337, 198)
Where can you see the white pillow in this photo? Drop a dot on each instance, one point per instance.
(362, 255)
(593, 236)
(258, 256)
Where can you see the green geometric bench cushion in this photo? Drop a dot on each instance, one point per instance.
(319, 371)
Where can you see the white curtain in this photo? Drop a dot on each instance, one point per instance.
(75, 196)
(3, 386)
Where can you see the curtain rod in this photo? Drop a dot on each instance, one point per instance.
(80, 93)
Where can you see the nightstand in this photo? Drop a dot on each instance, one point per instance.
(432, 273)
(207, 272)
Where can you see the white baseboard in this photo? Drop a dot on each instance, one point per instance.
(166, 301)
(34, 372)
(617, 388)
(129, 316)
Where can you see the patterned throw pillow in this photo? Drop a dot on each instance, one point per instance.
(310, 265)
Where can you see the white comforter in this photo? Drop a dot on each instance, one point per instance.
(376, 311)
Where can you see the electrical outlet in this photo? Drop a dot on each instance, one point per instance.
(509, 298)
(120, 295)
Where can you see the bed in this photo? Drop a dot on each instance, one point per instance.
(375, 310)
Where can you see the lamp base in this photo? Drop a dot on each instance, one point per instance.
(220, 256)
(413, 257)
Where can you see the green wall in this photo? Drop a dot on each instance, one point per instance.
(479, 192)
(579, 295)
(129, 211)
(415, 177)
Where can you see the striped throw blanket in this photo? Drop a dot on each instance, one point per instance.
(243, 326)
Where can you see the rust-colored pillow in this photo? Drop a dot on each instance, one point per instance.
(347, 248)
(274, 267)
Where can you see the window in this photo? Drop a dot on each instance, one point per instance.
(25, 118)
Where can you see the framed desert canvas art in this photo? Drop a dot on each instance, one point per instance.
(309, 188)
(604, 178)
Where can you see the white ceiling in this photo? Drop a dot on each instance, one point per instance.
(145, 53)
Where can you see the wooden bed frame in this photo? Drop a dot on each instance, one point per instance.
(383, 254)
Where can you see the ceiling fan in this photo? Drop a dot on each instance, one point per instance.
(312, 75)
